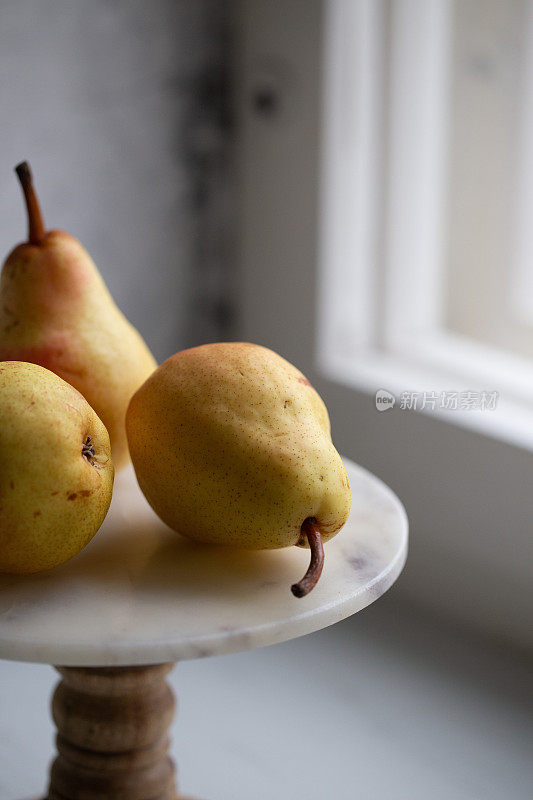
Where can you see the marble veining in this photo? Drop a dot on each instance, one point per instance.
(141, 594)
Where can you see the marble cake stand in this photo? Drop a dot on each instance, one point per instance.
(139, 598)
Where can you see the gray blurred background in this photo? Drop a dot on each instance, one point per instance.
(121, 110)
(139, 120)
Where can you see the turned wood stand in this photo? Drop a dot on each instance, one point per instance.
(139, 598)
(112, 734)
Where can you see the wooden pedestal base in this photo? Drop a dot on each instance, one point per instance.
(112, 738)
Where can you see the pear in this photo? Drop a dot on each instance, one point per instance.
(231, 445)
(56, 472)
(56, 311)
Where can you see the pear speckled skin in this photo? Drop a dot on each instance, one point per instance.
(52, 498)
(231, 445)
(56, 311)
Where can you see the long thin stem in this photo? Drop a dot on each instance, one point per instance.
(314, 571)
(36, 229)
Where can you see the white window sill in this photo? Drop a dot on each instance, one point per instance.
(442, 365)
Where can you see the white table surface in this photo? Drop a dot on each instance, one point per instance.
(141, 594)
(403, 706)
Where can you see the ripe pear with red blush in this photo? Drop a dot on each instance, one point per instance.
(56, 311)
(231, 445)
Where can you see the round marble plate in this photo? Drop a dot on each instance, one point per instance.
(141, 594)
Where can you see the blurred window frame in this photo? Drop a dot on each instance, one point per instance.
(383, 212)
(304, 258)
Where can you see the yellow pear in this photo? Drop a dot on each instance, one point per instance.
(56, 311)
(231, 445)
(56, 472)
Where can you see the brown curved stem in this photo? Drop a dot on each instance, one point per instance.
(36, 229)
(314, 571)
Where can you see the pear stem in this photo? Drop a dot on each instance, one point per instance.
(36, 229)
(314, 571)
